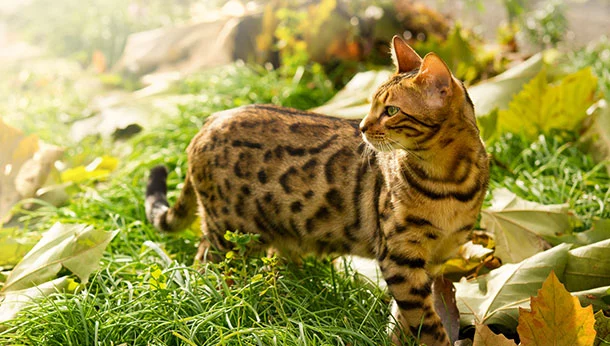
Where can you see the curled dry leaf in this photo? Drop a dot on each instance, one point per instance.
(25, 164)
(445, 305)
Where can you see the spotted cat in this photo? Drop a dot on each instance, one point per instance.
(403, 186)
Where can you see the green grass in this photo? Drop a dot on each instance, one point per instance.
(142, 296)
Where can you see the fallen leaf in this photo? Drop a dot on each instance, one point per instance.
(483, 336)
(443, 292)
(596, 138)
(14, 244)
(98, 169)
(470, 256)
(14, 301)
(588, 267)
(25, 163)
(540, 106)
(494, 298)
(600, 230)
(523, 228)
(353, 101)
(602, 327)
(76, 247)
(556, 318)
(595, 297)
(497, 92)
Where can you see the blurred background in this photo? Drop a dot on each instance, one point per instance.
(132, 39)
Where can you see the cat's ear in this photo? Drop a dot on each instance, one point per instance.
(435, 74)
(435, 78)
(404, 57)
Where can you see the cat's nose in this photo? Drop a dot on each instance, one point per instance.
(363, 127)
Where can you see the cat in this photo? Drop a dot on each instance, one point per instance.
(403, 186)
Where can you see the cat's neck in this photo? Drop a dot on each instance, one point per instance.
(441, 161)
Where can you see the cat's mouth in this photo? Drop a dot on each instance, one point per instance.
(379, 142)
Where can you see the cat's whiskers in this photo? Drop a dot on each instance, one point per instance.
(410, 152)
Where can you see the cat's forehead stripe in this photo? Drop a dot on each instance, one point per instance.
(393, 81)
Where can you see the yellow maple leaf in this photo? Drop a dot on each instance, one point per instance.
(556, 318)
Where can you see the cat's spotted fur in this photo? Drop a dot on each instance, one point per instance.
(309, 183)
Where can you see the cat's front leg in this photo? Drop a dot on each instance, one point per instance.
(402, 263)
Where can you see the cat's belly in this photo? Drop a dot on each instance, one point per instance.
(297, 179)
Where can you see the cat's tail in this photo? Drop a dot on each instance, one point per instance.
(158, 212)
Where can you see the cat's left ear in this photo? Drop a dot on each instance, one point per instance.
(404, 57)
(436, 77)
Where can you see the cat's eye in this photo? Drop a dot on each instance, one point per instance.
(392, 110)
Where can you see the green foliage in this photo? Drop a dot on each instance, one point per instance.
(458, 51)
(595, 55)
(551, 169)
(547, 26)
(238, 85)
(252, 300)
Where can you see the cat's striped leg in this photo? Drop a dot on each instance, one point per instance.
(403, 268)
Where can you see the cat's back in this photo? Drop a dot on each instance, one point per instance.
(273, 124)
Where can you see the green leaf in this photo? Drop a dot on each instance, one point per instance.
(488, 125)
(523, 228)
(497, 92)
(14, 301)
(495, 298)
(602, 327)
(588, 267)
(540, 107)
(596, 138)
(598, 232)
(352, 101)
(76, 247)
(98, 169)
(14, 244)
(595, 297)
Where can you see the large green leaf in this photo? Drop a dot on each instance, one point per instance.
(588, 267)
(495, 298)
(602, 327)
(597, 136)
(540, 106)
(497, 92)
(77, 248)
(15, 301)
(594, 297)
(598, 232)
(14, 244)
(353, 101)
(523, 228)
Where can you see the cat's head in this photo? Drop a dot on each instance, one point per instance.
(409, 109)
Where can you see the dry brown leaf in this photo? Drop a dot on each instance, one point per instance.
(446, 306)
(25, 164)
